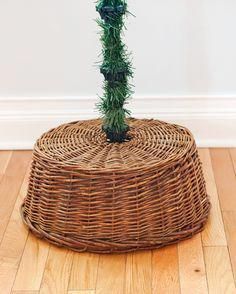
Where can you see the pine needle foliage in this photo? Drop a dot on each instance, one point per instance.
(116, 68)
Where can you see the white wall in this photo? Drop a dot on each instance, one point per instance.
(181, 49)
(185, 47)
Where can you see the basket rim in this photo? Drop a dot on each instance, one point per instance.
(170, 161)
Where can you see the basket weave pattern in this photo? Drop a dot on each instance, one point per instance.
(90, 195)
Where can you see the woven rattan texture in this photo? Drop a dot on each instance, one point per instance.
(90, 195)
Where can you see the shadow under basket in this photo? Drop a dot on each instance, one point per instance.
(91, 195)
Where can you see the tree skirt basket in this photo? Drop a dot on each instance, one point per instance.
(90, 195)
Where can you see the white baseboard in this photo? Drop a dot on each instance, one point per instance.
(212, 119)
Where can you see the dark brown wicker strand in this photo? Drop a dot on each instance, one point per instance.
(90, 195)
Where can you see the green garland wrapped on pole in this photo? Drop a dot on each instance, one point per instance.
(116, 68)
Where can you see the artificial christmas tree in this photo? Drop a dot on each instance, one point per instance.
(117, 184)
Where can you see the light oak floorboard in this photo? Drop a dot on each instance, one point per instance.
(57, 271)
(4, 159)
(139, 273)
(84, 271)
(13, 243)
(225, 178)
(111, 274)
(10, 185)
(214, 233)
(31, 269)
(24, 292)
(219, 271)
(192, 267)
(82, 292)
(233, 157)
(165, 274)
(230, 226)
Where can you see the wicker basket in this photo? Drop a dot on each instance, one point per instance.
(90, 195)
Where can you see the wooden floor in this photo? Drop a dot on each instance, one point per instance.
(204, 264)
